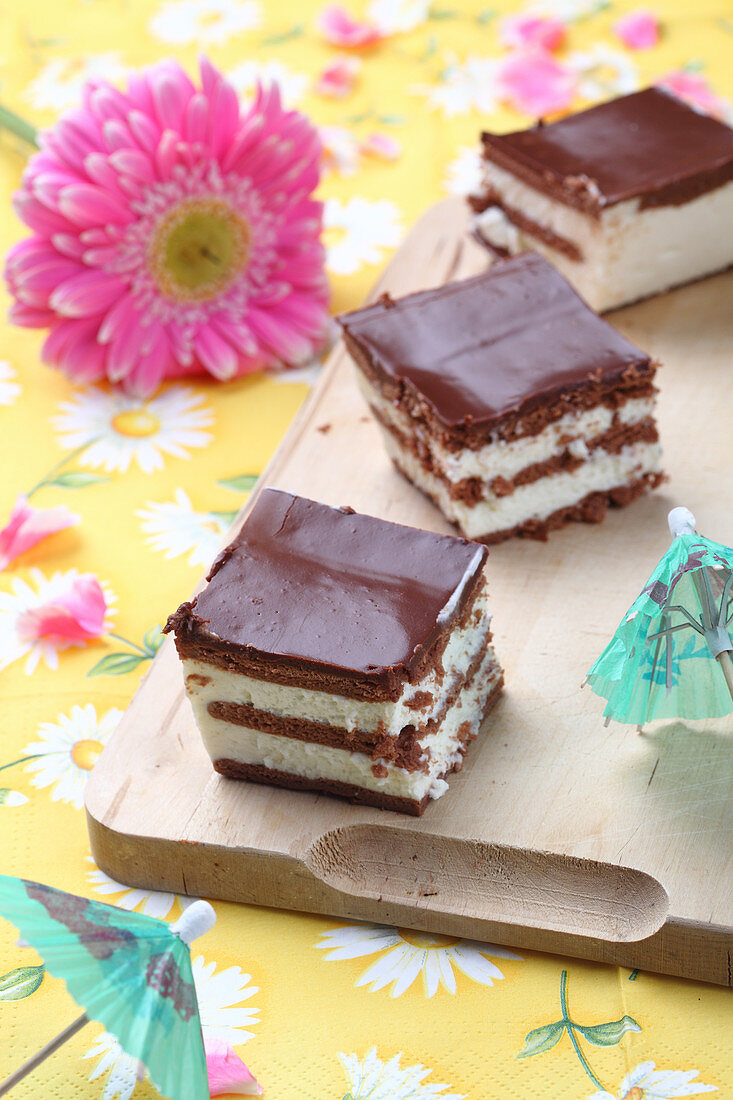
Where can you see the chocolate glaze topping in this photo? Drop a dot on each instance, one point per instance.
(649, 144)
(307, 584)
(503, 342)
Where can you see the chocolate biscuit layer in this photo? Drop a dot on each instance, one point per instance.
(406, 750)
(472, 490)
(591, 509)
(484, 354)
(648, 145)
(258, 773)
(328, 598)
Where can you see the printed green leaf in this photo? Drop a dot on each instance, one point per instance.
(441, 13)
(153, 640)
(117, 664)
(485, 16)
(20, 983)
(608, 1035)
(542, 1039)
(391, 120)
(75, 479)
(241, 484)
(694, 65)
(285, 36)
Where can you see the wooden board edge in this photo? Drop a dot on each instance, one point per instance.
(680, 948)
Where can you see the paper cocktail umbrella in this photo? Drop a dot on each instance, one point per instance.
(129, 971)
(671, 655)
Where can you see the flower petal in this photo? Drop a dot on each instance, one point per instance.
(91, 292)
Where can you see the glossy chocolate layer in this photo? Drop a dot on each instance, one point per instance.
(308, 585)
(498, 344)
(649, 144)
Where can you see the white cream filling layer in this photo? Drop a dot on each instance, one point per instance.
(537, 500)
(500, 458)
(338, 710)
(628, 253)
(226, 741)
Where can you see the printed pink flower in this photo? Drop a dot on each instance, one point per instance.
(174, 233)
(695, 90)
(227, 1073)
(536, 84)
(531, 31)
(381, 146)
(338, 79)
(341, 29)
(76, 615)
(47, 615)
(639, 30)
(28, 526)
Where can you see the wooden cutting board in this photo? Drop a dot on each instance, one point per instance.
(559, 834)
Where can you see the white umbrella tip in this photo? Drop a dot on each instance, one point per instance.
(681, 522)
(196, 921)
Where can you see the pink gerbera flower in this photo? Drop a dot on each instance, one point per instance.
(174, 232)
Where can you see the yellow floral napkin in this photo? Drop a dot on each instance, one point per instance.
(317, 1008)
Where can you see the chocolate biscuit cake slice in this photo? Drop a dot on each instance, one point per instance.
(332, 651)
(508, 401)
(626, 199)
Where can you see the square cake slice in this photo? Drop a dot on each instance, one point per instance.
(335, 652)
(627, 199)
(508, 401)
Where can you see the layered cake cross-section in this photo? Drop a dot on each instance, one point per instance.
(508, 401)
(627, 199)
(331, 651)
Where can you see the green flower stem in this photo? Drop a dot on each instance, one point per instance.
(18, 126)
(48, 476)
(126, 641)
(571, 1030)
(22, 760)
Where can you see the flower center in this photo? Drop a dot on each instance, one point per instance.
(136, 423)
(426, 939)
(85, 754)
(198, 249)
(635, 1094)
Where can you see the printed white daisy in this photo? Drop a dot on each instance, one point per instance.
(569, 11)
(410, 954)
(155, 903)
(223, 1016)
(357, 232)
(463, 86)
(16, 641)
(9, 388)
(125, 429)
(644, 1083)
(59, 83)
(69, 749)
(176, 529)
(463, 173)
(292, 85)
(396, 16)
(9, 797)
(339, 150)
(372, 1079)
(603, 72)
(204, 22)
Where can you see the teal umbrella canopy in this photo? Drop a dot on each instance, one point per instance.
(670, 656)
(129, 971)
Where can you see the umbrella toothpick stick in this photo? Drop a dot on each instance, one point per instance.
(43, 1053)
